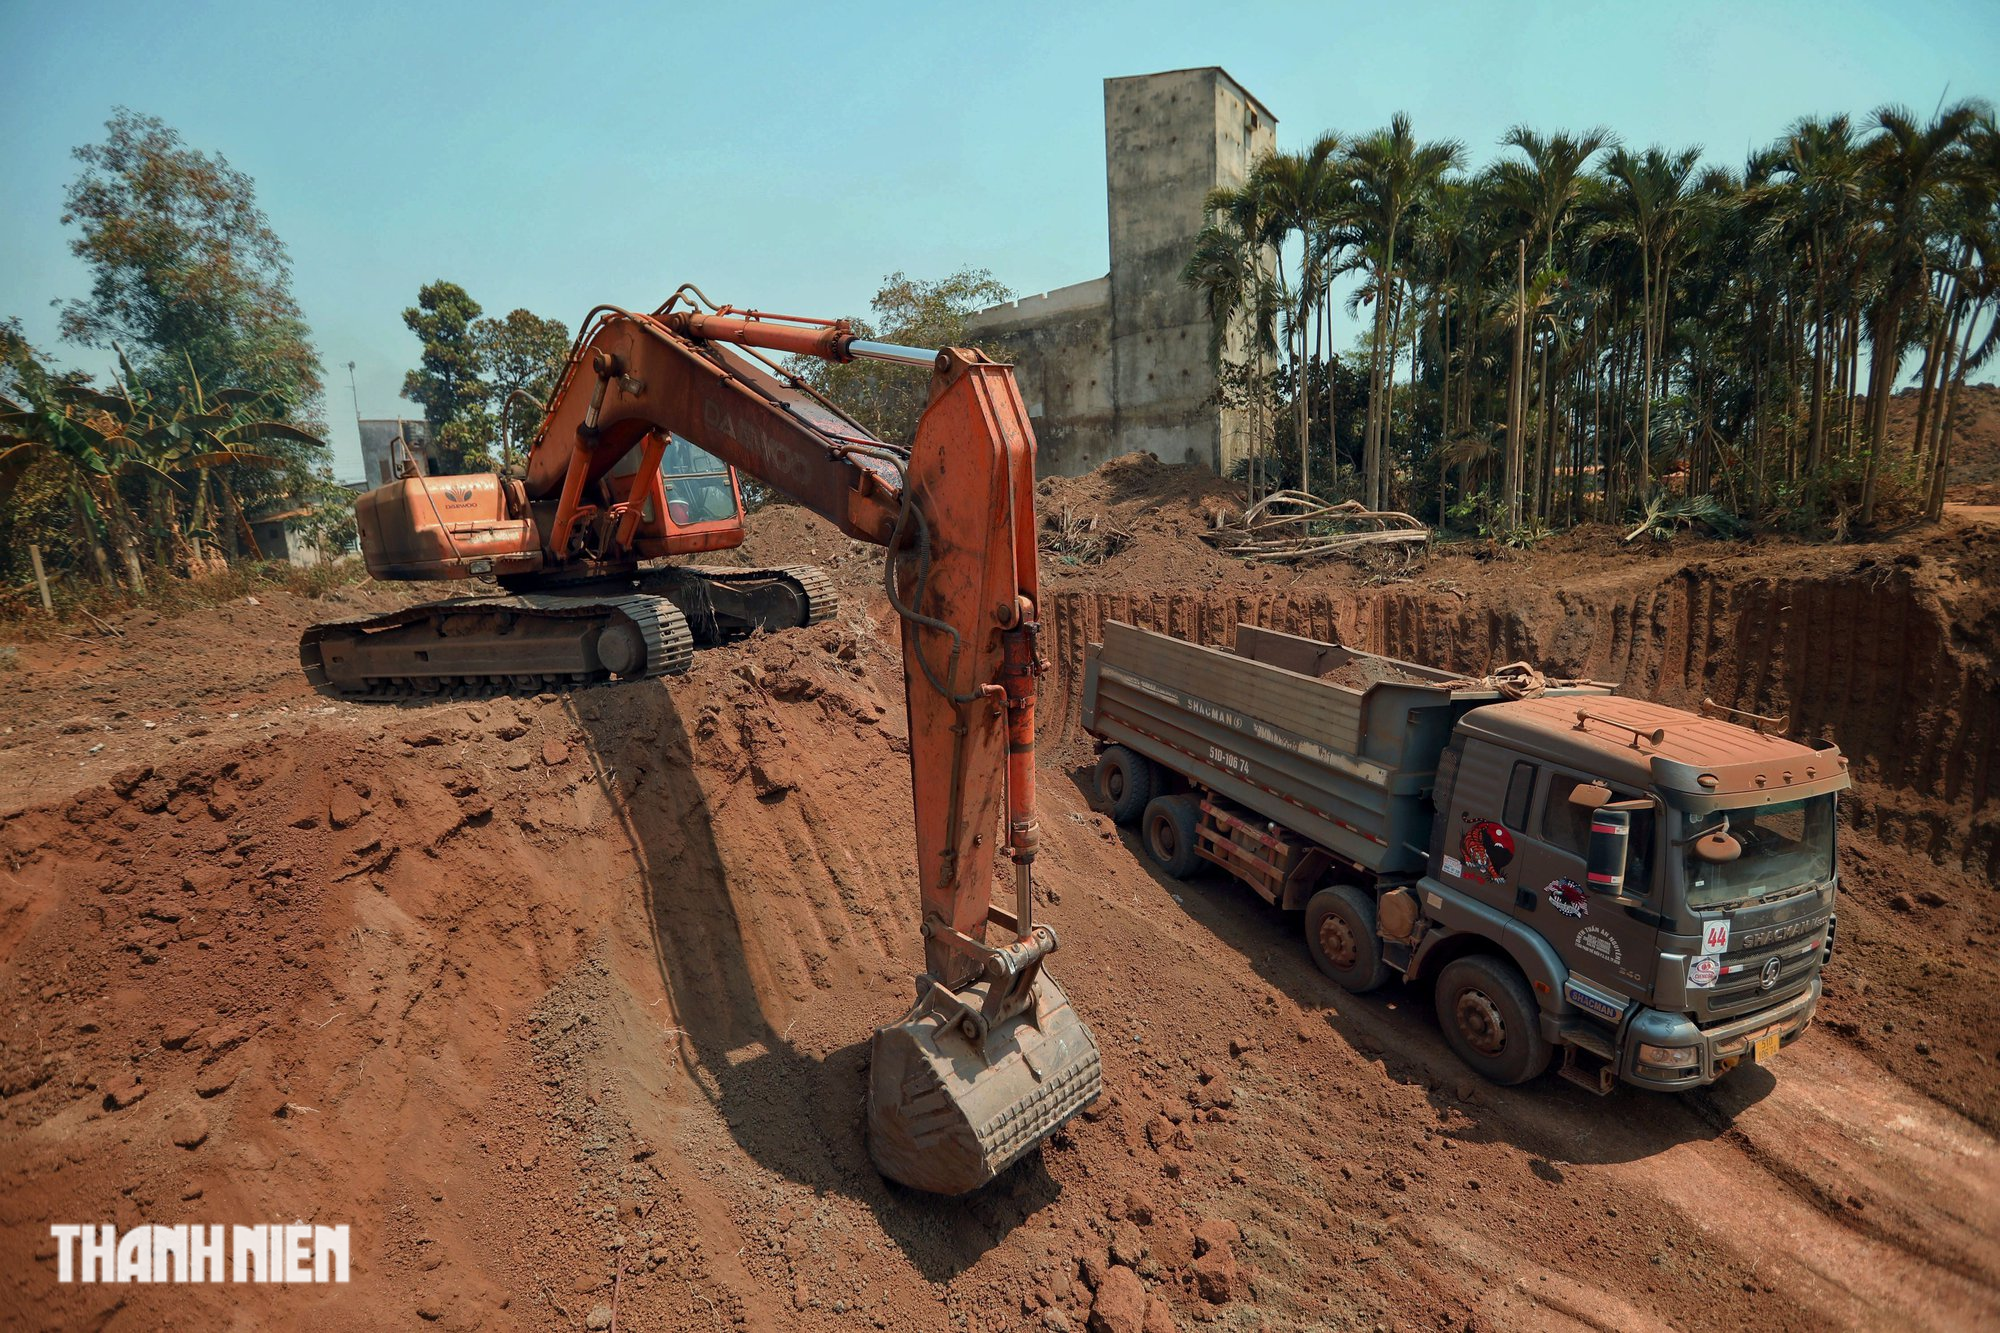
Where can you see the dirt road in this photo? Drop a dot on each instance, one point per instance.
(562, 1004)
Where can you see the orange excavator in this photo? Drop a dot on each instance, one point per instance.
(992, 1058)
(565, 543)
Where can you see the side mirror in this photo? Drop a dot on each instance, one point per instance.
(1610, 848)
(1589, 796)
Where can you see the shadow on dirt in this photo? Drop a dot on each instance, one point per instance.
(794, 1112)
(1551, 1120)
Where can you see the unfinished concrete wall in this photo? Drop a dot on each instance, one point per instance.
(1127, 362)
(1168, 140)
(1060, 344)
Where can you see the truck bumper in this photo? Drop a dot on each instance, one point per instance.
(1718, 1049)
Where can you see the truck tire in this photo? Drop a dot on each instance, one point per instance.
(1168, 832)
(1340, 936)
(1124, 783)
(1490, 1018)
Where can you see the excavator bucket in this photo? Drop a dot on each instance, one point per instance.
(952, 1103)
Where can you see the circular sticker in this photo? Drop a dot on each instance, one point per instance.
(1703, 971)
(1567, 896)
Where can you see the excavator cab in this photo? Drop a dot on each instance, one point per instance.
(702, 492)
(701, 488)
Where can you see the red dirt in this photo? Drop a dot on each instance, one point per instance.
(1975, 448)
(522, 989)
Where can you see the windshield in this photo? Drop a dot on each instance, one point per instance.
(685, 459)
(1784, 846)
(698, 488)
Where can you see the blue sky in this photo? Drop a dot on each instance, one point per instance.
(789, 156)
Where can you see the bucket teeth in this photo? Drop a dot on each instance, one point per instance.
(947, 1113)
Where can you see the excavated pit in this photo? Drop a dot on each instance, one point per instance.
(1867, 659)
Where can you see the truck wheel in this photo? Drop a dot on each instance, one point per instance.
(1340, 936)
(1168, 831)
(1490, 1018)
(1124, 782)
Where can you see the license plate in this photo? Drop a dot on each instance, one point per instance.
(1765, 1047)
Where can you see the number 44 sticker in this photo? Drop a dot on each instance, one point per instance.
(1715, 937)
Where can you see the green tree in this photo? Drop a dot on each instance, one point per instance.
(1228, 269)
(144, 472)
(1975, 290)
(520, 358)
(1544, 189)
(1649, 207)
(1911, 169)
(184, 266)
(447, 383)
(887, 398)
(1392, 175)
(1814, 187)
(1652, 325)
(55, 462)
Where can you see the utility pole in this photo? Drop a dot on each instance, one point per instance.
(359, 445)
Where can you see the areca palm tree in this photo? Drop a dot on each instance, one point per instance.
(1390, 174)
(1302, 197)
(1545, 190)
(1910, 168)
(1604, 312)
(1816, 188)
(1227, 268)
(1649, 205)
(1975, 290)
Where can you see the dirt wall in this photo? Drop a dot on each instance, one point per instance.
(1866, 658)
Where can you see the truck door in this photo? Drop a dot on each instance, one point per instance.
(1476, 851)
(1608, 944)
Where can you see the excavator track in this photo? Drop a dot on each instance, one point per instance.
(519, 644)
(722, 602)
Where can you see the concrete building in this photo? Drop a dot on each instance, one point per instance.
(283, 536)
(1125, 362)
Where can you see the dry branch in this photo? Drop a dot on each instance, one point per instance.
(1289, 526)
(1082, 539)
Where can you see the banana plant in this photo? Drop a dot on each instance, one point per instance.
(46, 418)
(182, 441)
(174, 444)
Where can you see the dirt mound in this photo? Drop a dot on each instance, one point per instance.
(1975, 448)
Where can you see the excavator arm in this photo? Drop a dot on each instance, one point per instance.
(992, 1058)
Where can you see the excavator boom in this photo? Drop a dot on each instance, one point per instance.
(992, 1058)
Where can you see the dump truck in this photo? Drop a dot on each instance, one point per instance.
(1646, 890)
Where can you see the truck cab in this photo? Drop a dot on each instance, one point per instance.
(1705, 946)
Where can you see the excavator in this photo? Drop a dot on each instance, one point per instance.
(991, 1059)
(565, 545)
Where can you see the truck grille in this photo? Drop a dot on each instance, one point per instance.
(1741, 990)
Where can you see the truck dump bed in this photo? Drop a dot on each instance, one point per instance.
(1338, 745)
